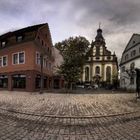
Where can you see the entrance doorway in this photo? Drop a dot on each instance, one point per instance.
(3, 81)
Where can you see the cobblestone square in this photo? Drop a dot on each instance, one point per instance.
(89, 116)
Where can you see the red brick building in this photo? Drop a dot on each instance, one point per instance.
(20, 64)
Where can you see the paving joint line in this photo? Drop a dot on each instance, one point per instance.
(73, 117)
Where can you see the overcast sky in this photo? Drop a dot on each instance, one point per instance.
(119, 18)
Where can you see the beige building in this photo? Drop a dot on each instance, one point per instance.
(101, 65)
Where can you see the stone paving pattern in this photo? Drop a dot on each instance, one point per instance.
(72, 117)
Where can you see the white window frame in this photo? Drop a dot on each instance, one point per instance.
(13, 58)
(18, 58)
(24, 57)
(6, 60)
(1, 57)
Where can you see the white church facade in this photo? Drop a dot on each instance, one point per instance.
(101, 65)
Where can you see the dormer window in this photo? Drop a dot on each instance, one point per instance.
(3, 43)
(19, 38)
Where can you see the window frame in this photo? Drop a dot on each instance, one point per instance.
(6, 56)
(19, 38)
(18, 58)
(1, 57)
(3, 45)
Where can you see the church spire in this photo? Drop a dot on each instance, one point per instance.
(99, 37)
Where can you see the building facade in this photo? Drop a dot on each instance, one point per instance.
(130, 61)
(21, 55)
(101, 65)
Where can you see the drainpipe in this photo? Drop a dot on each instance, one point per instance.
(42, 77)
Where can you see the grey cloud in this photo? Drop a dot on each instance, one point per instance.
(75, 17)
(114, 11)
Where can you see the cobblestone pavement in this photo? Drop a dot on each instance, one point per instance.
(69, 104)
(25, 116)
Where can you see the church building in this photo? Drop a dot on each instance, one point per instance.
(101, 66)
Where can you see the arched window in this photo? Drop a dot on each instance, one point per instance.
(97, 70)
(132, 66)
(108, 74)
(87, 74)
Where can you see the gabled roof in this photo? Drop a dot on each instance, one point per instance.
(23, 30)
(135, 39)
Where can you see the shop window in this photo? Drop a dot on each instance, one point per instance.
(19, 81)
(3, 81)
(38, 81)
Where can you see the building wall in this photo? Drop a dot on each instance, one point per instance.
(102, 70)
(29, 50)
(38, 41)
(124, 77)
